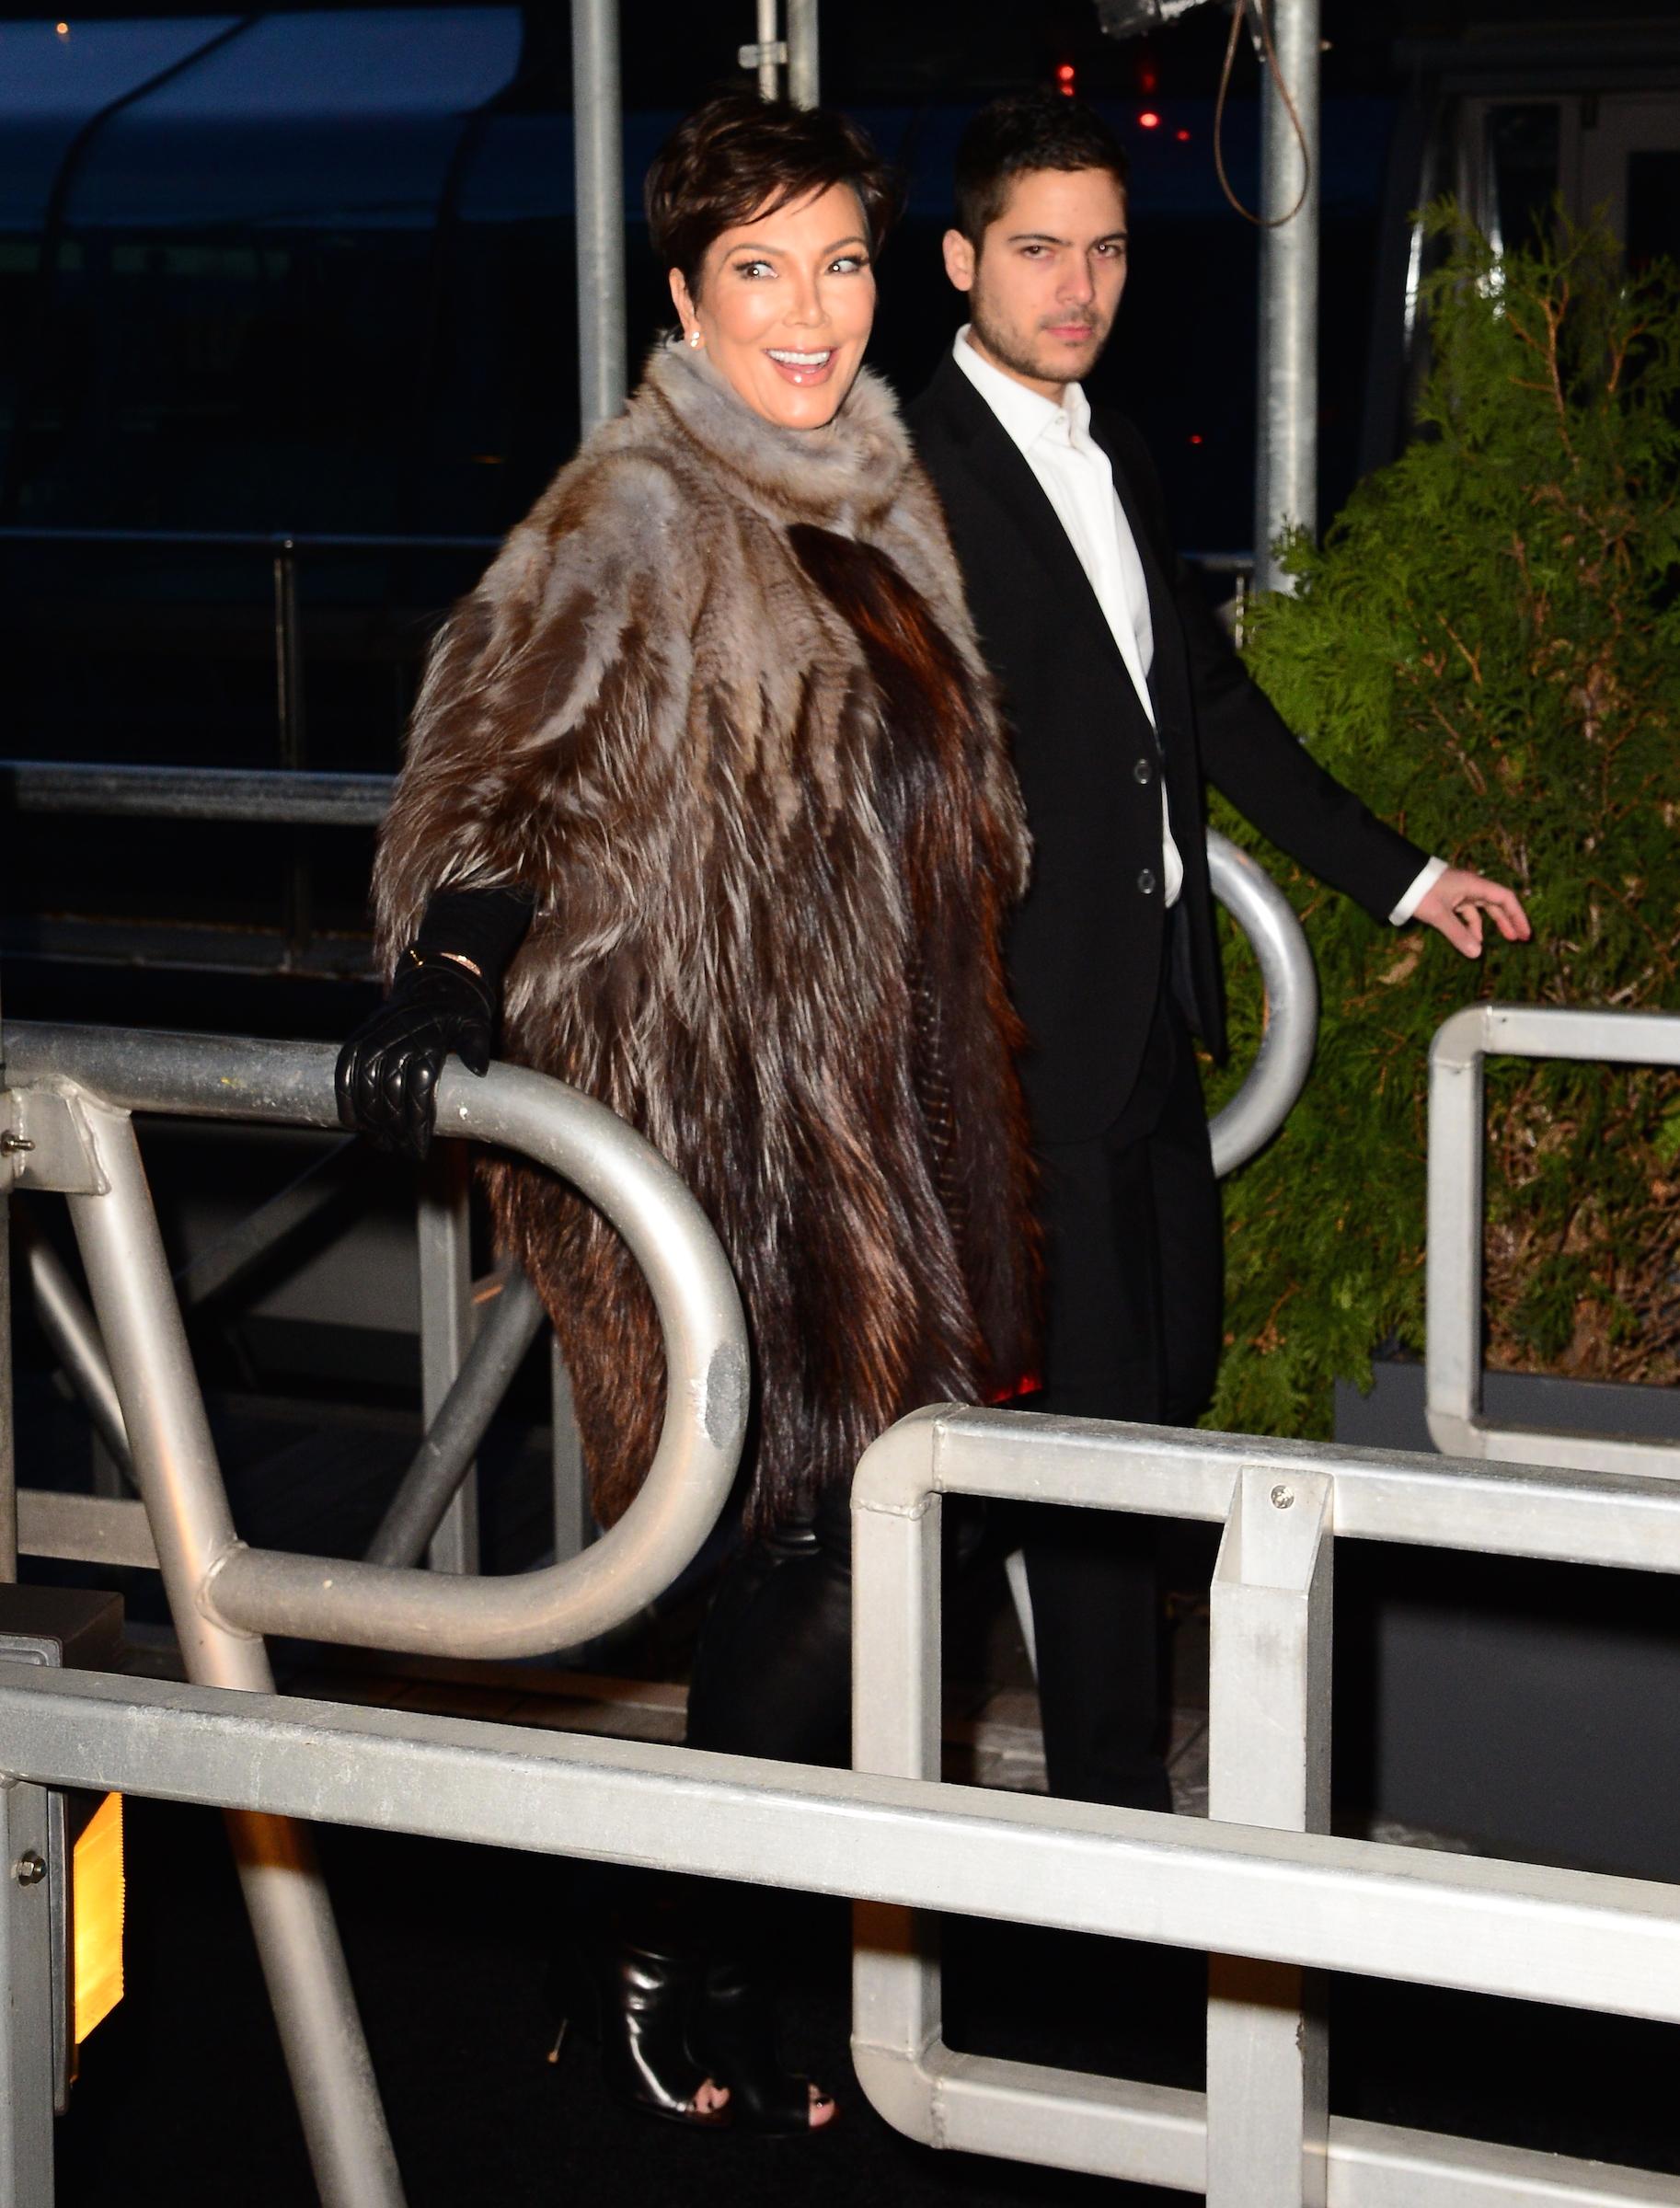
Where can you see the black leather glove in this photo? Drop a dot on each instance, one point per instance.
(445, 998)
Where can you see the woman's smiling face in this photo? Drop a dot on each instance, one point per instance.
(785, 308)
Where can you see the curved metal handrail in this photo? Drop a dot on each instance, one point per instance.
(1279, 1072)
(263, 1590)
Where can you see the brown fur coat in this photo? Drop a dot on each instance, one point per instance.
(718, 705)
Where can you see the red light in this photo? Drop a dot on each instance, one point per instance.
(1146, 80)
(1065, 78)
(1149, 121)
(1183, 137)
(1195, 436)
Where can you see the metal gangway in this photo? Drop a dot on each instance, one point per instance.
(1264, 1887)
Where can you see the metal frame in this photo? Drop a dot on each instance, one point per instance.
(88, 1080)
(1260, 2136)
(1286, 468)
(68, 1128)
(1453, 1280)
(597, 112)
(1281, 1900)
(1284, 1059)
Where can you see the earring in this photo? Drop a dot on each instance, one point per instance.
(693, 338)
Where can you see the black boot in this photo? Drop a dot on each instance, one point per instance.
(639, 2001)
(734, 2034)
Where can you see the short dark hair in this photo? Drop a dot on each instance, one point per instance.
(1019, 134)
(738, 156)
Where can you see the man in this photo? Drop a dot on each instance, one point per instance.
(1124, 695)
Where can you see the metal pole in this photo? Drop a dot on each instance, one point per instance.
(1284, 1059)
(447, 1324)
(803, 87)
(1268, 1711)
(175, 1462)
(69, 1326)
(26, 1997)
(598, 133)
(1286, 473)
(769, 39)
(574, 1517)
(445, 1458)
(289, 710)
(262, 1231)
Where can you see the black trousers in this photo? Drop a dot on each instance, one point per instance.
(1133, 1325)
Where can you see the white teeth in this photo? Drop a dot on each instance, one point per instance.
(801, 359)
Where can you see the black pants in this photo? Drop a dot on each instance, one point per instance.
(1133, 1319)
(773, 1672)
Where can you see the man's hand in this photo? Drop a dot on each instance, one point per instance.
(1456, 902)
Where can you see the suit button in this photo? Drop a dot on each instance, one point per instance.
(1142, 771)
(1146, 881)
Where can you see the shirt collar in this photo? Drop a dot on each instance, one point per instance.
(1025, 414)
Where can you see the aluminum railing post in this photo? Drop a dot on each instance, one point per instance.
(574, 1519)
(446, 1331)
(175, 1464)
(1269, 1763)
(68, 1325)
(432, 1487)
(1286, 477)
(598, 131)
(1452, 1286)
(25, 2000)
(805, 81)
(897, 1991)
(1285, 1055)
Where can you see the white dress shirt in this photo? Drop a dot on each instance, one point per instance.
(1075, 476)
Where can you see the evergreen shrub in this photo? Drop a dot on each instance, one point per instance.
(1486, 647)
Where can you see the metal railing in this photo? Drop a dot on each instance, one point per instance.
(1281, 1067)
(1260, 2136)
(1266, 1897)
(67, 1128)
(1453, 1367)
(290, 794)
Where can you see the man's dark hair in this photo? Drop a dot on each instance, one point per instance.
(1019, 134)
(738, 157)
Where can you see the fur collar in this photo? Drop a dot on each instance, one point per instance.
(842, 477)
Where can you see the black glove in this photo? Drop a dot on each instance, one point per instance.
(387, 1072)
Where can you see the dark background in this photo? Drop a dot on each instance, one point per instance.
(220, 326)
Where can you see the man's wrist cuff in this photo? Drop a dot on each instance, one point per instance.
(1425, 882)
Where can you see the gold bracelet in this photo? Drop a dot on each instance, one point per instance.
(455, 958)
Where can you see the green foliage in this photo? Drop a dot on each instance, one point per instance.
(1486, 648)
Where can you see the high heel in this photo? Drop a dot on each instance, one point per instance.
(733, 2033)
(638, 2001)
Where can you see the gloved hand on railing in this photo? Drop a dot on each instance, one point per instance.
(445, 998)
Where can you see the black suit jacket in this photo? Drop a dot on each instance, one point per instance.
(1087, 951)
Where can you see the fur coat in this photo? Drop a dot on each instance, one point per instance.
(718, 705)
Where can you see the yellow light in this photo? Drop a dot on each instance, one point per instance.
(97, 1889)
(63, 29)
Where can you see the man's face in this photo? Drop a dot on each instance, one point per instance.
(1046, 282)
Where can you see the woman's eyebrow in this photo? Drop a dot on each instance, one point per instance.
(780, 252)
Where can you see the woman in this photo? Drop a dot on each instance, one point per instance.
(707, 800)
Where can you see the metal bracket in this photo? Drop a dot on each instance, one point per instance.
(756, 57)
(46, 1142)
